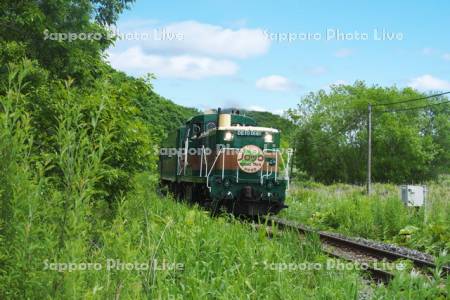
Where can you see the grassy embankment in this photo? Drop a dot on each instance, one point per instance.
(346, 209)
(219, 259)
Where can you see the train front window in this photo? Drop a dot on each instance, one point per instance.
(196, 129)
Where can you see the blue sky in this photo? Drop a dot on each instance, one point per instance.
(207, 54)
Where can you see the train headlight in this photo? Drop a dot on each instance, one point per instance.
(268, 138)
(228, 136)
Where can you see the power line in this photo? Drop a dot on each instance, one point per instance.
(411, 100)
(343, 129)
(412, 108)
(397, 102)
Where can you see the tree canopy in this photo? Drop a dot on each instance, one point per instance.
(408, 146)
(59, 77)
(30, 28)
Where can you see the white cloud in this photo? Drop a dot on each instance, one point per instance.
(275, 83)
(446, 56)
(317, 71)
(344, 52)
(134, 60)
(428, 51)
(428, 82)
(188, 49)
(197, 38)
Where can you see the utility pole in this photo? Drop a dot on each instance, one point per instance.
(369, 149)
(292, 164)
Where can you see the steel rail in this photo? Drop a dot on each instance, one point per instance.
(373, 251)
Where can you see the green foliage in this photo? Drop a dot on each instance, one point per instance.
(331, 139)
(346, 209)
(107, 11)
(26, 28)
(124, 112)
(267, 119)
(64, 151)
(21, 201)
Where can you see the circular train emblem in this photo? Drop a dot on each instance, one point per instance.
(250, 159)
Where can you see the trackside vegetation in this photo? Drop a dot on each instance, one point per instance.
(80, 216)
(382, 216)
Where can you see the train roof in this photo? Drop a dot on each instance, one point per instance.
(212, 117)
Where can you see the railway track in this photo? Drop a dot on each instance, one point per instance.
(364, 252)
(368, 255)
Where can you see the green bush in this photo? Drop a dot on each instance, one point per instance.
(382, 216)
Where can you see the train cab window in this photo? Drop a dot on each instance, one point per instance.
(196, 129)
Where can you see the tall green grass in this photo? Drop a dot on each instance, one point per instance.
(382, 216)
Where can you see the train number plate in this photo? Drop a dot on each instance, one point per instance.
(249, 132)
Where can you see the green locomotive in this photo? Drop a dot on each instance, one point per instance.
(224, 160)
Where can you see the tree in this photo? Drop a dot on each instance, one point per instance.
(40, 30)
(331, 138)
